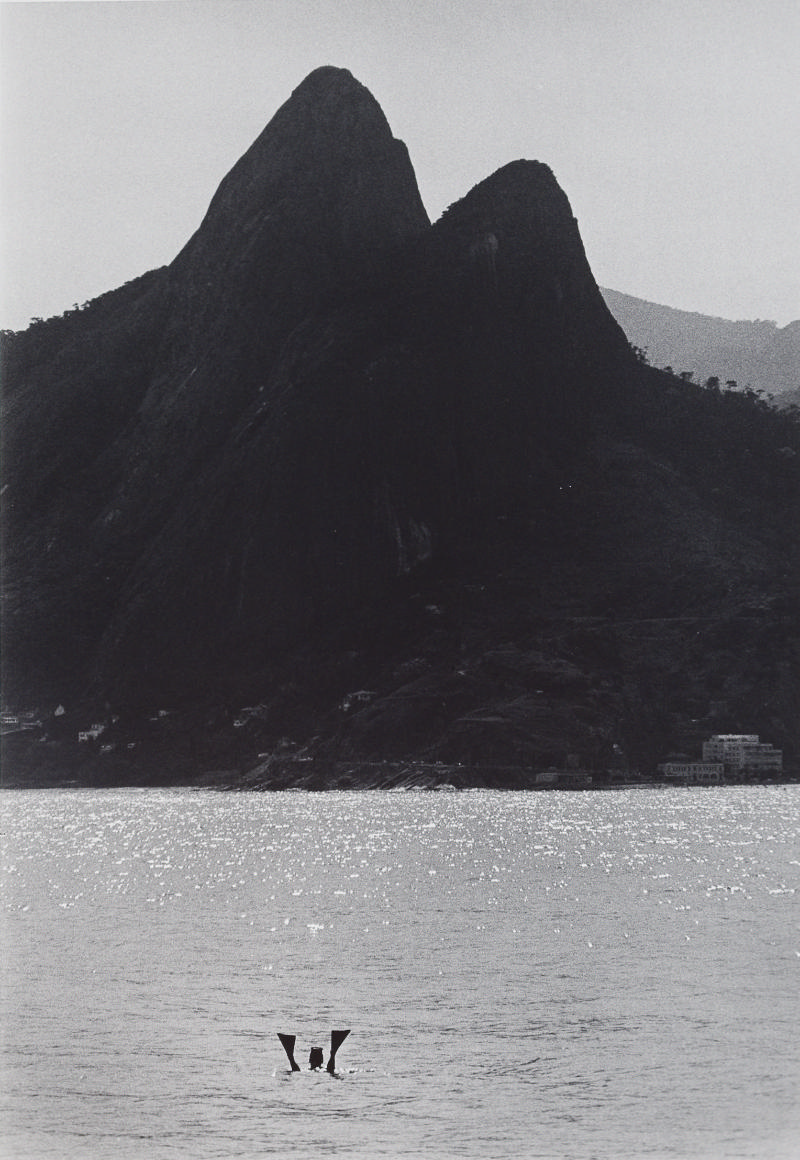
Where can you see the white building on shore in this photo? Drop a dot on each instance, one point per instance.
(743, 753)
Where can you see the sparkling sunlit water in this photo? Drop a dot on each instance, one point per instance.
(551, 975)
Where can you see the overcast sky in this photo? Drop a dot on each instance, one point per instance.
(672, 125)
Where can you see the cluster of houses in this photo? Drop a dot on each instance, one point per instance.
(727, 757)
(18, 722)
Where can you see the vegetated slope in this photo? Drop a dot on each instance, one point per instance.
(404, 491)
(759, 354)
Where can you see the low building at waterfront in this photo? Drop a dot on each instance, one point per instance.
(563, 779)
(693, 772)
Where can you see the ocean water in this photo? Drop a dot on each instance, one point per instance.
(561, 975)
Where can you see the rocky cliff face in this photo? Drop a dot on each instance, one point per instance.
(334, 447)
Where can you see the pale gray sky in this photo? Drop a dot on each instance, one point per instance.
(672, 125)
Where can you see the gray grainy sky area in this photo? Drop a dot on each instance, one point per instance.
(672, 125)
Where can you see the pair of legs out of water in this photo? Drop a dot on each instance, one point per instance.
(315, 1058)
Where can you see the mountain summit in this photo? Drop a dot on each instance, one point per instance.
(331, 447)
(320, 194)
(296, 226)
(330, 147)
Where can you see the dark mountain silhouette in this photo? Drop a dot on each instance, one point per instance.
(759, 354)
(400, 490)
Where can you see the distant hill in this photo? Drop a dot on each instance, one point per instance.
(757, 354)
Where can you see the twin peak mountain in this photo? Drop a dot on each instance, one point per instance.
(327, 418)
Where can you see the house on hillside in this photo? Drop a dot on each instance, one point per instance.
(93, 733)
(361, 697)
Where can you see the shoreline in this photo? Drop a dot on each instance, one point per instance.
(322, 774)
